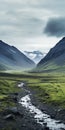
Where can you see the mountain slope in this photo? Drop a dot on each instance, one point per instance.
(12, 58)
(55, 59)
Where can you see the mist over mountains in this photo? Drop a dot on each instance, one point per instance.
(13, 59)
(36, 56)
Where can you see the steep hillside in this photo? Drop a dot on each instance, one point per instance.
(12, 58)
(55, 59)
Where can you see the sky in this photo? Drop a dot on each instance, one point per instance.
(32, 24)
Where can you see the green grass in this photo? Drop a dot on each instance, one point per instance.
(7, 87)
(49, 87)
(51, 66)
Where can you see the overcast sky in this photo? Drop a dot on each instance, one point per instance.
(32, 24)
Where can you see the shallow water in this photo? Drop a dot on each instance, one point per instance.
(39, 116)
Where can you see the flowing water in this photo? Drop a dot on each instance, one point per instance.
(39, 116)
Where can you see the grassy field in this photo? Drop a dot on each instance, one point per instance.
(50, 88)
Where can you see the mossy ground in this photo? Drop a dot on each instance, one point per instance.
(7, 87)
(50, 87)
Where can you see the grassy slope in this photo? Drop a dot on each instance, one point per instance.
(51, 66)
(7, 87)
(50, 88)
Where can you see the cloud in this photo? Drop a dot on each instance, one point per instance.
(21, 20)
(26, 18)
(55, 27)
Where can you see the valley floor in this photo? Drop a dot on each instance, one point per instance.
(47, 94)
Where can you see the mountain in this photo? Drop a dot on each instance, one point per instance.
(55, 59)
(12, 58)
(36, 56)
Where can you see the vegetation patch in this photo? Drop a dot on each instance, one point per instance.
(7, 88)
(50, 88)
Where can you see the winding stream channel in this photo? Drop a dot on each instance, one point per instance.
(39, 116)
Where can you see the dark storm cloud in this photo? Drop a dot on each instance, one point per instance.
(27, 17)
(55, 27)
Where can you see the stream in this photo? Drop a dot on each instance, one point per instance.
(41, 118)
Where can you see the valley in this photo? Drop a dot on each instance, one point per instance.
(32, 65)
(32, 97)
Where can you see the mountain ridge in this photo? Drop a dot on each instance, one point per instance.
(55, 58)
(12, 58)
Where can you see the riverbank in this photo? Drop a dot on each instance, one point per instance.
(53, 110)
(43, 113)
(18, 118)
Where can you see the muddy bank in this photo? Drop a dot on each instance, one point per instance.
(24, 121)
(17, 118)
